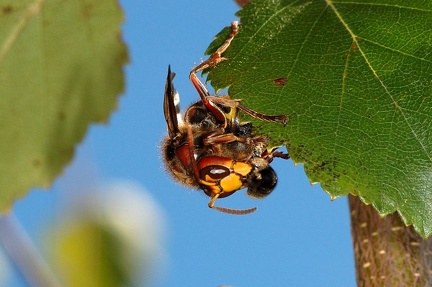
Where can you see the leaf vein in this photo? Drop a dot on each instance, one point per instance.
(33, 9)
(381, 5)
(257, 32)
(395, 103)
(393, 50)
(304, 42)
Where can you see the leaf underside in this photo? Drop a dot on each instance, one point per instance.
(354, 77)
(60, 70)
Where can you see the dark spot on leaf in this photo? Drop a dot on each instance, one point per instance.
(61, 116)
(322, 165)
(36, 163)
(68, 152)
(7, 9)
(328, 167)
(87, 12)
(280, 81)
(300, 151)
(354, 46)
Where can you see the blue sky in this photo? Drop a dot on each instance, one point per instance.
(298, 237)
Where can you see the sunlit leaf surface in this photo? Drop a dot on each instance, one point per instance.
(355, 79)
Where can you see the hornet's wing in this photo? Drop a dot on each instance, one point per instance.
(172, 106)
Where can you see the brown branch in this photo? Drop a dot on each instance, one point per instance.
(388, 253)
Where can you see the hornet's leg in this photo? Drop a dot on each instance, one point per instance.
(270, 155)
(216, 57)
(212, 61)
(210, 101)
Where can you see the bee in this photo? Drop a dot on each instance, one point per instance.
(209, 148)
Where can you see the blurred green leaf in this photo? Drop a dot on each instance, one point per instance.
(60, 70)
(87, 255)
(355, 79)
(110, 235)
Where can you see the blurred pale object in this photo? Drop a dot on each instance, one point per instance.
(110, 236)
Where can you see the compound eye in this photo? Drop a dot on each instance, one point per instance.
(261, 182)
(169, 152)
(214, 173)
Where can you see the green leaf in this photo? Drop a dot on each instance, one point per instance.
(111, 235)
(60, 70)
(355, 79)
